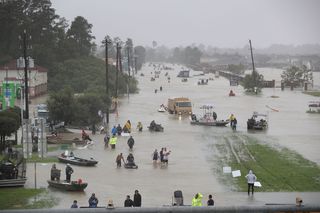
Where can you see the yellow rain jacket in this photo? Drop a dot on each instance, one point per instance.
(197, 201)
(113, 140)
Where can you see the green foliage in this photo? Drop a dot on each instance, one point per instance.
(313, 93)
(61, 106)
(236, 68)
(292, 75)
(140, 53)
(188, 55)
(252, 81)
(9, 123)
(79, 37)
(278, 169)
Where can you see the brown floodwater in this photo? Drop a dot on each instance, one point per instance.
(190, 166)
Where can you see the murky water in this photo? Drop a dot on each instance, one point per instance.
(190, 168)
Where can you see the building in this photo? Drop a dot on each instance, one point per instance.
(37, 77)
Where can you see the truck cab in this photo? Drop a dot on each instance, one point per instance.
(179, 106)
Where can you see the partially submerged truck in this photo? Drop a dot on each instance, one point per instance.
(179, 106)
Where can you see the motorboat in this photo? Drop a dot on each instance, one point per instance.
(203, 81)
(65, 158)
(184, 80)
(314, 106)
(231, 93)
(68, 186)
(162, 109)
(209, 117)
(258, 121)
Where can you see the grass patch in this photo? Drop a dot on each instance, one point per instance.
(313, 93)
(36, 158)
(21, 198)
(277, 169)
(53, 148)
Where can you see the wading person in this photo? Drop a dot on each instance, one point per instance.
(93, 201)
(113, 141)
(210, 201)
(69, 171)
(128, 202)
(137, 199)
(118, 160)
(251, 178)
(197, 200)
(130, 142)
(155, 156)
(74, 204)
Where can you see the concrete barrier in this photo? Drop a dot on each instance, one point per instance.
(173, 209)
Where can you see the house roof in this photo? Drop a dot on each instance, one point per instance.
(12, 65)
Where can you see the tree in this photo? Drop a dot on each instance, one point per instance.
(87, 107)
(292, 76)
(252, 82)
(140, 53)
(79, 37)
(236, 68)
(61, 106)
(9, 123)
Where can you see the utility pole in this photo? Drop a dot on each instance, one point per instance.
(117, 71)
(254, 74)
(26, 63)
(107, 77)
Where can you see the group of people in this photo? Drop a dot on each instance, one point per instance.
(163, 156)
(130, 160)
(117, 130)
(55, 173)
(93, 201)
(197, 200)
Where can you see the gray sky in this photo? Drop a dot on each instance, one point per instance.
(222, 23)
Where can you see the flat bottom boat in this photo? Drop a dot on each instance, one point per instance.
(68, 186)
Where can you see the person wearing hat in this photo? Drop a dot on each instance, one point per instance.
(69, 171)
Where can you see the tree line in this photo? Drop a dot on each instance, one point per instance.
(70, 55)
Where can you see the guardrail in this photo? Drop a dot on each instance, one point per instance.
(229, 209)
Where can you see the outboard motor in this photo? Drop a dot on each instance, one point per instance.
(178, 198)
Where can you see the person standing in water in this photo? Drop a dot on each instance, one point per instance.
(251, 178)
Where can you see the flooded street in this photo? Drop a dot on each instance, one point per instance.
(191, 165)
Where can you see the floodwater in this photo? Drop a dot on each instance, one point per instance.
(191, 168)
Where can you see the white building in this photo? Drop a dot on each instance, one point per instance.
(37, 77)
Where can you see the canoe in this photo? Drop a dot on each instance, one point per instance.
(72, 186)
(210, 123)
(78, 161)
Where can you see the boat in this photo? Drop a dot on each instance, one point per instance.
(314, 107)
(162, 109)
(184, 80)
(258, 121)
(152, 79)
(68, 186)
(231, 93)
(156, 128)
(209, 117)
(76, 160)
(127, 166)
(203, 81)
(184, 74)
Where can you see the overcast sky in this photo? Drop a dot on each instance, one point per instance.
(222, 23)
